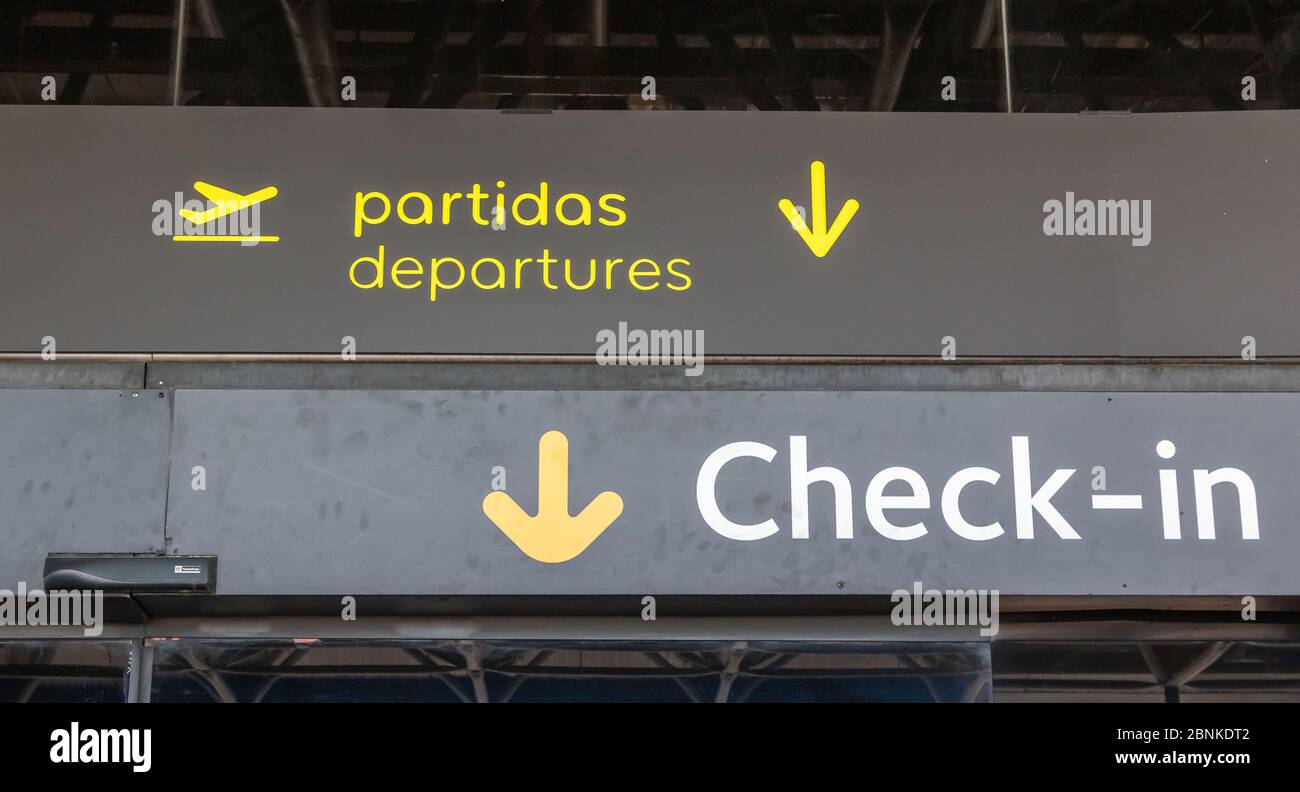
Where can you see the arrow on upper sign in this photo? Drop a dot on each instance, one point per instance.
(552, 536)
(818, 238)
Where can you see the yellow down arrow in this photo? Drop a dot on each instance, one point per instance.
(818, 239)
(553, 536)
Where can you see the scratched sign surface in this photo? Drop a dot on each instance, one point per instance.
(437, 492)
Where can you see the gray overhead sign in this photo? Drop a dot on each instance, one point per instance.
(80, 471)
(566, 492)
(482, 232)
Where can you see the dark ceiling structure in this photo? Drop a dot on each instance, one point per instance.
(812, 55)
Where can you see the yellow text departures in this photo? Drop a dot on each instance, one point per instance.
(531, 209)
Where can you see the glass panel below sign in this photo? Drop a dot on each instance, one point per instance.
(590, 671)
(63, 671)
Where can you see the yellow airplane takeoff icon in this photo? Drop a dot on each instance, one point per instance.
(227, 203)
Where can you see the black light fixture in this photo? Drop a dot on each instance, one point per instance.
(120, 572)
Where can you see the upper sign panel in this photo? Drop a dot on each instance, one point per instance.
(286, 230)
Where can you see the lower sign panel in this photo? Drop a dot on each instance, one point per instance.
(534, 492)
(81, 471)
